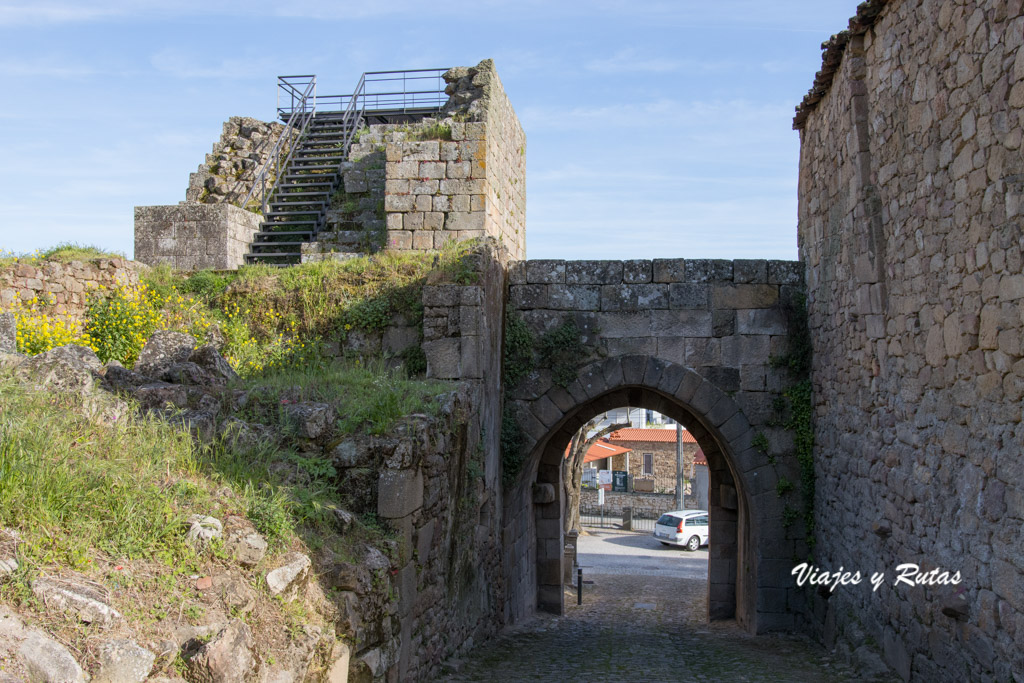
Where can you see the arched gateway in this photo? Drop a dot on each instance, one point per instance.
(695, 344)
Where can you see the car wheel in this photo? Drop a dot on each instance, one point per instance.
(693, 543)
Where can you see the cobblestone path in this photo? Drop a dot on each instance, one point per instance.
(643, 629)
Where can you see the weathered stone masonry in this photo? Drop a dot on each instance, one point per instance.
(66, 285)
(691, 339)
(910, 230)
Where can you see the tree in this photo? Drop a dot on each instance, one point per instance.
(572, 469)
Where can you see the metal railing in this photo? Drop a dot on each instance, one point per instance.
(421, 91)
(396, 92)
(300, 93)
(635, 520)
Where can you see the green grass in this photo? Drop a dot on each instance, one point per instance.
(73, 487)
(64, 252)
(70, 251)
(368, 396)
(77, 490)
(434, 131)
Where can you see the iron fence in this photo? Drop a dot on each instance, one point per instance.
(626, 520)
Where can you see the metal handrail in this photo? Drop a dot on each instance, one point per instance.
(393, 99)
(303, 107)
(298, 103)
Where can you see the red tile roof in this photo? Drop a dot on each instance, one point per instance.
(600, 451)
(640, 434)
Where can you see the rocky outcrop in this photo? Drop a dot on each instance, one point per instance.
(163, 350)
(246, 545)
(70, 368)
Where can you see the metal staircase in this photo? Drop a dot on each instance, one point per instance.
(293, 189)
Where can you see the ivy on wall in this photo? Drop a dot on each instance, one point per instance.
(798, 410)
(560, 350)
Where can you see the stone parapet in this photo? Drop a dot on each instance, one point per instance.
(191, 236)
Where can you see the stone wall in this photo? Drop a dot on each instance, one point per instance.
(692, 339)
(910, 231)
(462, 338)
(66, 285)
(725, 317)
(644, 505)
(664, 461)
(227, 174)
(435, 190)
(504, 157)
(192, 236)
(450, 584)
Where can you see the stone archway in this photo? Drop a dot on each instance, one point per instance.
(750, 556)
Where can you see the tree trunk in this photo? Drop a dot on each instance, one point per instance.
(572, 471)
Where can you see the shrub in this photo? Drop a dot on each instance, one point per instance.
(120, 324)
(38, 331)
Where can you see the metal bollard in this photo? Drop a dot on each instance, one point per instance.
(579, 586)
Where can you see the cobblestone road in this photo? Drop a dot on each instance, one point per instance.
(643, 629)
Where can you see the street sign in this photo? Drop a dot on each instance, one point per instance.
(604, 480)
(619, 480)
(600, 497)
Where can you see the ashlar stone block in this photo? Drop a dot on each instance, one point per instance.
(399, 493)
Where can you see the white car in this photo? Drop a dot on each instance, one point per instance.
(688, 528)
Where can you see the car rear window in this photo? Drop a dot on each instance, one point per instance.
(668, 520)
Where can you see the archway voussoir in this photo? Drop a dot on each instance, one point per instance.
(531, 425)
(722, 411)
(612, 369)
(691, 382)
(734, 428)
(652, 371)
(742, 442)
(633, 369)
(705, 398)
(546, 411)
(561, 398)
(576, 390)
(670, 378)
(592, 379)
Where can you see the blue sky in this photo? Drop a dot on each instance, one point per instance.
(654, 129)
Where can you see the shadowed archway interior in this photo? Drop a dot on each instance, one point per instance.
(721, 431)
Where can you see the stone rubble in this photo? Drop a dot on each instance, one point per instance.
(123, 661)
(203, 529)
(35, 655)
(227, 658)
(289, 580)
(85, 600)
